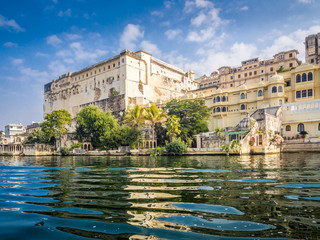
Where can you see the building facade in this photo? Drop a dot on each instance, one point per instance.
(12, 130)
(312, 49)
(116, 83)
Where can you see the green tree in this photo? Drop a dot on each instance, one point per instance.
(172, 126)
(154, 115)
(37, 136)
(193, 115)
(97, 127)
(135, 117)
(55, 125)
(218, 132)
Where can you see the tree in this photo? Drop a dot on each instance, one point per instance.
(218, 132)
(173, 126)
(55, 125)
(154, 115)
(135, 117)
(193, 115)
(97, 127)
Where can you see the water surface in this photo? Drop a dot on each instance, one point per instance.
(207, 197)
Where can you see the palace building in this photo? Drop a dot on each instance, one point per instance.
(116, 83)
(312, 49)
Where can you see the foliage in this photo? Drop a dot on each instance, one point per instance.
(76, 145)
(128, 136)
(154, 115)
(64, 151)
(37, 136)
(252, 141)
(176, 147)
(161, 133)
(233, 147)
(172, 126)
(135, 117)
(193, 115)
(276, 139)
(303, 133)
(99, 128)
(158, 151)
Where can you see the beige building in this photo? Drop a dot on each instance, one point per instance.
(116, 83)
(251, 71)
(312, 48)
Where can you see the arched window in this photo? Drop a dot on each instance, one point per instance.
(300, 127)
(288, 128)
(243, 107)
(274, 89)
(319, 127)
(214, 110)
(224, 109)
(214, 100)
(218, 109)
(304, 77)
(280, 89)
(310, 77)
(218, 99)
(260, 93)
(298, 78)
(243, 96)
(223, 99)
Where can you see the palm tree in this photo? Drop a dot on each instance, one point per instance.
(219, 134)
(154, 115)
(135, 117)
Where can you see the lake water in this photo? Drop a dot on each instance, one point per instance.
(194, 197)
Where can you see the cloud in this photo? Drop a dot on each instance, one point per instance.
(150, 48)
(10, 24)
(192, 4)
(168, 4)
(53, 40)
(130, 36)
(10, 44)
(201, 36)
(66, 13)
(290, 41)
(199, 20)
(305, 1)
(173, 33)
(17, 61)
(71, 36)
(80, 54)
(244, 8)
(39, 54)
(157, 13)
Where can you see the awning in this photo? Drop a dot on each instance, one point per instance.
(235, 132)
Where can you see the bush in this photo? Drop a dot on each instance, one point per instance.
(64, 151)
(176, 147)
(158, 151)
(76, 145)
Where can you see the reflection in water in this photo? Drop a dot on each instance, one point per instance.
(194, 197)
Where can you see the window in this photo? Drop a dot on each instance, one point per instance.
(231, 77)
(290, 54)
(99, 70)
(310, 92)
(300, 127)
(261, 71)
(214, 100)
(243, 107)
(290, 65)
(223, 99)
(288, 83)
(274, 89)
(95, 71)
(298, 94)
(288, 128)
(255, 72)
(271, 69)
(218, 99)
(104, 68)
(243, 96)
(280, 102)
(214, 110)
(224, 109)
(218, 109)
(312, 60)
(250, 73)
(319, 127)
(281, 57)
(304, 77)
(87, 75)
(246, 74)
(108, 66)
(304, 93)
(239, 75)
(260, 93)
(280, 89)
(262, 79)
(310, 77)
(298, 78)
(114, 65)
(122, 60)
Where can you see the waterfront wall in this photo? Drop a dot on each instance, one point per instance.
(301, 147)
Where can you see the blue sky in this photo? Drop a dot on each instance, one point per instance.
(42, 39)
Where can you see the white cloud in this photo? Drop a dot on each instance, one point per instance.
(197, 21)
(40, 54)
(157, 13)
(53, 40)
(10, 44)
(290, 41)
(71, 36)
(305, 1)
(201, 36)
(66, 13)
(244, 8)
(191, 4)
(17, 61)
(80, 54)
(168, 4)
(173, 33)
(34, 74)
(10, 24)
(150, 48)
(130, 36)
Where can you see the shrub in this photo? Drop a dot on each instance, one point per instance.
(158, 151)
(76, 145)
(64, 151)
(176, 147)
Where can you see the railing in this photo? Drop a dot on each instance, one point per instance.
(302, 106)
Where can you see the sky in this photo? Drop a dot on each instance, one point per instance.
(43, 39)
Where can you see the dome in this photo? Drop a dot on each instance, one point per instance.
(276, 79)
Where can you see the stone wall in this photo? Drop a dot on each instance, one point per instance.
(301, 147)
